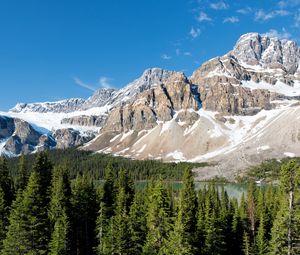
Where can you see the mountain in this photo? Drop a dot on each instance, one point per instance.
(68, 105)
(233, 111)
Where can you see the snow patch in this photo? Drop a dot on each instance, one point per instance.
(142, 149)
(289, 154)
(125, 135)
(115, 138)
(263, 148)
(279, 87)
(178, 155)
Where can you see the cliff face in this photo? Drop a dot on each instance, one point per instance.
(154, 105)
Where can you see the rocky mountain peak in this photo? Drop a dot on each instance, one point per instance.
(67, 105)
(268, 52)
(100, 98)
(150, 78)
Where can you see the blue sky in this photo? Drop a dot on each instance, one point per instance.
(56, 49)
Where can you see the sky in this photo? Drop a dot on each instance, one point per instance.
(56, 49)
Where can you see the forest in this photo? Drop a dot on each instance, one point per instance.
(70, 202)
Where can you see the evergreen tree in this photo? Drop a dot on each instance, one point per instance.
(117, 240)
(3, 217)
(83, 216)
(158, 219)
(28, 231)
(5, 182)
(261, 240)
(279, 233)
(247, 249)
(106, 207)
(137, 224)
(21, 179)
(43, 166)
(59, 213)
(182, 238)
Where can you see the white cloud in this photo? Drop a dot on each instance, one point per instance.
(203, 17)
(166, 57)
(283, 34)
(219, 6)
(245, 10)
(195, 32)
(261, 15)
(232, 19)
(104, 82)
(82, 84)
(187, 53)
(287, 3)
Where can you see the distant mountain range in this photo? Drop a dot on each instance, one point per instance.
(235, 110)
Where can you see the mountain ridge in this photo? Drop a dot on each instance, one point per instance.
(220, 108)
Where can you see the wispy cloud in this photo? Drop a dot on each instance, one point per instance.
(104, 82)
(288, 3)
(177, 51)
(195, 32)
(219, 6)
(83, 84)
(245, 10)
(262, 15)
(283, 34)
(232, 19)
(203, 17)
(165, 57)
(297, 20)
(187, 53)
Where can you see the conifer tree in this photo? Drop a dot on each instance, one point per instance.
(182, 238)
(83, 216)
(21, 179)
(59, 213)
(247, 249)
(284, 230)
(5, 182)
(28, 231)
(3, 217)
(106, 207)
(117, 240)
(261, 240)
(158, 219)
(137, 224)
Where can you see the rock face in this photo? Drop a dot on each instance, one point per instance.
(254, 58)
(69, 137)
(100, 98)
(7, 127)
(84, 120)
(150, 78)
(156, 104)
(18, 136)
(269, 53)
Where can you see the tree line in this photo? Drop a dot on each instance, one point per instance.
(47, 211)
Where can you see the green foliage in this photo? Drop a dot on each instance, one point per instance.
(93, 165)
(83, 218)
(158, 219)
(21, 179)
(3, 217)
(28, 230)
(59, 213)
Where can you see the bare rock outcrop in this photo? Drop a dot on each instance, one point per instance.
(20, 137)
(69, 137)
(156, 104)
(85, 120)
